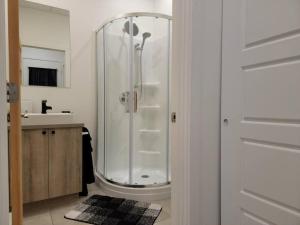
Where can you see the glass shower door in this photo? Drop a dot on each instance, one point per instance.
(117, 97)
(151, 87)
(133, 100)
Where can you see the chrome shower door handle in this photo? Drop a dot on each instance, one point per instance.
(124, 100)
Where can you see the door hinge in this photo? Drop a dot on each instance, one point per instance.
(12, 92)
(173, 117)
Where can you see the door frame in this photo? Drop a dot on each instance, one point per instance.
(196, 79)
(181, 131)
(4, 187)
(15, 148)
(180, 103)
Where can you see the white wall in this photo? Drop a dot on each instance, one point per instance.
(163, 6)
(85, 17)
(45, 29)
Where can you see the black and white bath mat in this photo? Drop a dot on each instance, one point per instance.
(105, 210)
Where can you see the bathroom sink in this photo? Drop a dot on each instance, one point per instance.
(49, 118)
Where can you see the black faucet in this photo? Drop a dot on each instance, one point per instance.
(45, 107)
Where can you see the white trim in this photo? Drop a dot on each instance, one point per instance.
(4, 207)
(180, 103)
(196, 76)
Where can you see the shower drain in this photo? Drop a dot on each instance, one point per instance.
(145, 176)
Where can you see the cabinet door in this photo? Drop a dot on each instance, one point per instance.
(65, 152)
(35, 165)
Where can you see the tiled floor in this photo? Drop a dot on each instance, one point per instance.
(52, 212)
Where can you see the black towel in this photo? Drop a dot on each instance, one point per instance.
(88, 176)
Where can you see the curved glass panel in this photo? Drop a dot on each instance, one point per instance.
(133, 60)
(151, 84)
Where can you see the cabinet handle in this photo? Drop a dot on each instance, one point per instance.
(44, 132)
(53, 132)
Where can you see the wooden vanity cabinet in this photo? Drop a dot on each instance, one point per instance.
(52, 162)
(35, 165)
(65, 157)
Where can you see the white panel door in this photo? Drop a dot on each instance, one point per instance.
(261, 112)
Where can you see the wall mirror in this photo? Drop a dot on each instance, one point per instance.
(45, 45)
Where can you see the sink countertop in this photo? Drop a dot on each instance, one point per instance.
(52, 125)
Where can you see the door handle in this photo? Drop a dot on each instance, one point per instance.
(173, 117)
(53, 132)
(226, 121)
(44, 132)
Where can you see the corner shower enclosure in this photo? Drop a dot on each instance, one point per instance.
(133, 69)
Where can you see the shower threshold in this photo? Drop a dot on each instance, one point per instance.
(140, 177)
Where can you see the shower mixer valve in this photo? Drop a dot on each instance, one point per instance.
(124, 99)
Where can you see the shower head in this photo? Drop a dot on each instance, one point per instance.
(145, 36)
(127, 28)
